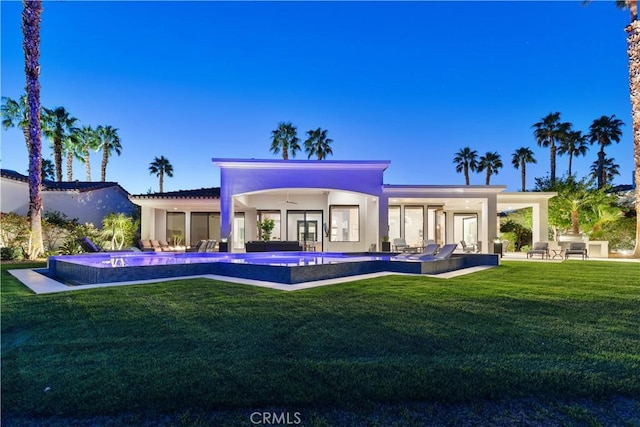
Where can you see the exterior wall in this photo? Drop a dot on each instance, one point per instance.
(87, 207)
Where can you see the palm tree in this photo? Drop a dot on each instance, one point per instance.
(466, 160)
(57, 126)
(109, 141)
(31, 16)
(574, 144)
(606, 170)
(87, 140)
(547, 132)
(604, 131)
(161, 167)
(285, 138)
(71, 149)
(490, 162)
(519, 159)
(317, 144)
(47, 170)
(15, 114)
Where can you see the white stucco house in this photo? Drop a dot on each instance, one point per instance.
(330, 205)
(89, 202)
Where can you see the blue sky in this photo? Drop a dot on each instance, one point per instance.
(409, 82)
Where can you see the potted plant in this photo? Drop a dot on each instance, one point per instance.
(266, 227)
(386, 245)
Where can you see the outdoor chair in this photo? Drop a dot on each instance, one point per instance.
(145, 245)
(539, 248)
(444, 253)
(88, 246)
(468, 248)
(576, 248)
(430, 250)
(399, 245)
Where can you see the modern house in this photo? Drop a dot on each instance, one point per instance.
(89, 202)
(326, 205)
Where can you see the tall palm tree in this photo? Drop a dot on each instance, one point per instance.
(519, 159)
(490, 162)
(110, 142)
(317, 144)
(15, 114)
(31, 16)
(285, 139)
(47, 170)
(57, 125)
(70, 147)
(546, 132)
(574, 144)
(604, 131)
(606, 170)
(466, 160)
(87, 140)
(161, 167)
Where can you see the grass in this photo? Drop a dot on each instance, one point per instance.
(556, 341)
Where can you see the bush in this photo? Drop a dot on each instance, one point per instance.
(11, 253)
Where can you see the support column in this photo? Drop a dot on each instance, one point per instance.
(540, 219)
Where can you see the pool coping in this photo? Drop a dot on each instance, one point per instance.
(41, 284)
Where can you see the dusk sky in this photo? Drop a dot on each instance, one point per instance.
(408, 82)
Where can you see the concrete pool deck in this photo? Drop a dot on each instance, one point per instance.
(41, 284)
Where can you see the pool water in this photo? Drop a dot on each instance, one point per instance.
(280, 267)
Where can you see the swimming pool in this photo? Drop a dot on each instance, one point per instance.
(279, 267)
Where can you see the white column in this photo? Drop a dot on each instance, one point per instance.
(540, 218)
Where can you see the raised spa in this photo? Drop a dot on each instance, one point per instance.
(279, 267)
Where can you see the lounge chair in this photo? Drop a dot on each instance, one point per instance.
(145, 245)
(576, 248)
(539, 248)
(444, 253)
(199, 247)
(88, 246)
(211, 246)
(430, 249)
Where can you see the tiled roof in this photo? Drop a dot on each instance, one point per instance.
(80, 186)
(201, 193)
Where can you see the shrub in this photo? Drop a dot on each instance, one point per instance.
(11, 253)
(14, 232)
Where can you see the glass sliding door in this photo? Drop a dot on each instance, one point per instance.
(176, 228)
(465, 227)
(394, 222)
(238, 230)
(205, 226)
(305, 227)
(414, 225)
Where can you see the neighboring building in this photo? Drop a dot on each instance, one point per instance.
(340, 206)
(89, 202)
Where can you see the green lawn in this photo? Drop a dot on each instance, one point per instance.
(552, 341)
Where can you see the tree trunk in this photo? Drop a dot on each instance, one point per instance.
(575, 224)
(161, 182)
(105, 160)
(488, 179)
(633, 49)
(70, 166)
(87, 166)
(523, 175)
(31, 45)
(570, 160)
(552, 155)
(466, 175)
(57, 157)
(600, 171)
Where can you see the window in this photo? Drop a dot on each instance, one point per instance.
(176, 228)
(345, 223)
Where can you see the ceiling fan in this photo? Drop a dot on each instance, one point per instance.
(289, 201)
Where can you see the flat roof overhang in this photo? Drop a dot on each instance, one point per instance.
(301, 164)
